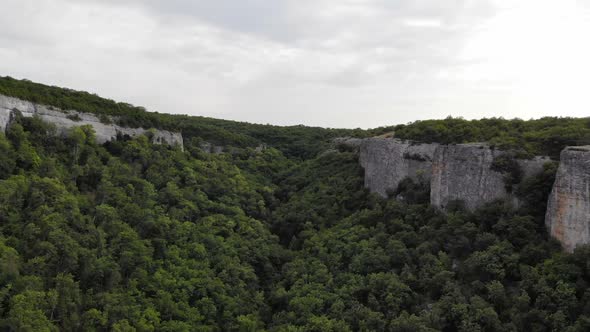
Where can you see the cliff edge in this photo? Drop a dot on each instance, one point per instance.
(388, 161)
(64, 120)
(568, 209)
(463, 172)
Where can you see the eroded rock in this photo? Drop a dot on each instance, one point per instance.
(568, 208)
(388, 161)
(5, 115)
(64, 120)
(463, 172)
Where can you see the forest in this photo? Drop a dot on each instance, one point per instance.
(134, 236)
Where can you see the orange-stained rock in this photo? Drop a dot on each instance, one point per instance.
(568, 209)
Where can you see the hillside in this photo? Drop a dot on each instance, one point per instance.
(132, 236)
(294, 141)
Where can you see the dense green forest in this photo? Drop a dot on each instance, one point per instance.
(546, 136)
(131, 236)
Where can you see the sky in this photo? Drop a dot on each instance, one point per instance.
(329, 63)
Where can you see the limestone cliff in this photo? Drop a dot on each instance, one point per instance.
(568, 209)
(64, 120)
(474, 175)
(388, 161)
(4, 118)
(463, 172)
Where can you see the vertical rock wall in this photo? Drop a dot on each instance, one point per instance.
(463, 172)
(466, 173)
(388, 161)
(568, 210)
(4, 118)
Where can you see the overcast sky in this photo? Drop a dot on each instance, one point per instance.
(331, 63)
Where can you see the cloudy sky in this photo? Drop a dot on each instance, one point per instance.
(332, 63)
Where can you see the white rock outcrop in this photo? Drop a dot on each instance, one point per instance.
(458, 172)
(64, 120)
(5, 115)
(463, 172)
(388, 161)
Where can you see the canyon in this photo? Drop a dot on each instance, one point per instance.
(471, 175)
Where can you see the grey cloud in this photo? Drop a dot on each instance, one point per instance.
(348, 27)
(292, 20)
(319, 62)
(261, 17)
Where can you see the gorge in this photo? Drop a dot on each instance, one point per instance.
(474, 174)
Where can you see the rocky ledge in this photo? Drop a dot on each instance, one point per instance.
(64, 120)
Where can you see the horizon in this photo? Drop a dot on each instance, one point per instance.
(352, 64)
(293, 125)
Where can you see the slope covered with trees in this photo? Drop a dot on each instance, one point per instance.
(130, 236)
(545, 136)
(294, 141)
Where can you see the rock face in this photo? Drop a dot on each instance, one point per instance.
(5, 115)
(568, 209)
(463, 172)
(388, 161)
(467, 173)
(64, 120)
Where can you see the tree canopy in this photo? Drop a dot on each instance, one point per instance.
(132, 236)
